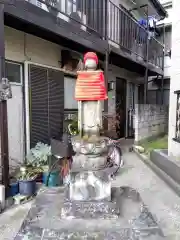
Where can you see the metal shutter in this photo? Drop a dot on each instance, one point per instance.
(56, 103)
(38, 105)
(46, 104)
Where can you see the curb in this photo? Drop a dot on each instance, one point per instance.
(166, 178)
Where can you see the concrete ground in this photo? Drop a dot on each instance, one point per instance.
(163, 203)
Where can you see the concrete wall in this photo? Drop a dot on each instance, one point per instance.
(150, 121)
(174, 147)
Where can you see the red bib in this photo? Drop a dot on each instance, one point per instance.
(90, 86)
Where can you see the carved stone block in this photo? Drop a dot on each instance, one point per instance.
(88, 186)
(88, 162)
(91, 210)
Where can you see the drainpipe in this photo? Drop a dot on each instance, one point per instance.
(106, 69)
(3, 108)
(162, 79)
(147, 58)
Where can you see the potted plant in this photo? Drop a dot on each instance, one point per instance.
(39, 158)
(13, 187)
(27, 180)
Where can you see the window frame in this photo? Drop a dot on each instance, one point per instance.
(21, 72)
(69, 109)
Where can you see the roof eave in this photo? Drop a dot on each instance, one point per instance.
(160, 9)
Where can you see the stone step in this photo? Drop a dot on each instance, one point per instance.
(108, 234)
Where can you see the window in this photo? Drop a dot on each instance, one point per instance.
(177, 133)
(71, 6)
(13, 72)
(69, 91)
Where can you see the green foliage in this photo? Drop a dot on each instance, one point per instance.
(159, 143)
(28, 173)
(73, 127)
(39, 155)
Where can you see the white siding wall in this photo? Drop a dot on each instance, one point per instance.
(174, 147)
(25, 47)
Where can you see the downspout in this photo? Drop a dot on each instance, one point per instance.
(162, 79)
(147, 58)
(106, 69)
(3, 109)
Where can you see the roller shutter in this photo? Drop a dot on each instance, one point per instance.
(46, 104)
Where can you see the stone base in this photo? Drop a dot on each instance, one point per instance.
(90, 210)
(44, 220)
(89, 186)
(110, 234)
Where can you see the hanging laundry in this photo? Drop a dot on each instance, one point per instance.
(150, 23)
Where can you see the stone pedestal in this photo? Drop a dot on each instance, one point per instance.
(89, 191)
(89, 181)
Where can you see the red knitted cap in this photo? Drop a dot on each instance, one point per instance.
(91, 55)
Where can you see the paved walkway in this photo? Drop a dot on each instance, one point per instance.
(163, 203)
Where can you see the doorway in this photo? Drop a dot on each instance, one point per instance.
(121, 86)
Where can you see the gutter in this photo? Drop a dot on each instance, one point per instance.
(160, 9)
(167, 25)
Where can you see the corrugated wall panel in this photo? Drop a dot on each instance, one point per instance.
(46, 104)
(56, 103)
(38, 104)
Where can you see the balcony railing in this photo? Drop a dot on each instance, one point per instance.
(78, 12)
(156, 53)
(126, 33)
(123, 31)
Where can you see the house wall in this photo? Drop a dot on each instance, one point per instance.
(116, 72)
(154, 93)
(174, 147)
(130, 77)
(150, 121)
(168, 35)
(167, 42)
(21, 47)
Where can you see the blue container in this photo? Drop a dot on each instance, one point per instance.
(27, 187)
(54, 178)
(13, 189)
